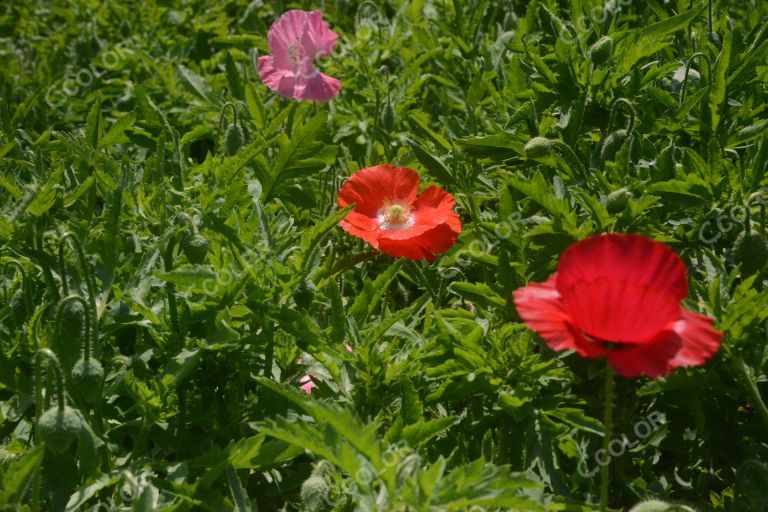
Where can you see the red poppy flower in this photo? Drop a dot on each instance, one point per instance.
(619, 296)
(394, 218)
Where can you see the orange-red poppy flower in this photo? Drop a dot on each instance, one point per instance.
(394, 218)
(619, 296)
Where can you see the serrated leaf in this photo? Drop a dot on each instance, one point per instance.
(16, 479)
(373, 291)
(196, 83)
(94, 121)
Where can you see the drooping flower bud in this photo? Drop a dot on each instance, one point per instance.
(601, 50)
(314, 493)
(538, 147)
(617, 201)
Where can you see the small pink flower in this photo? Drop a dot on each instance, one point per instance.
(307, 384)
(295, 41)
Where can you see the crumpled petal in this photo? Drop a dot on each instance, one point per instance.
(307, 384)
(540, 307)
(621, 288)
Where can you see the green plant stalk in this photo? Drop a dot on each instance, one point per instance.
(53, 360)
(569, 156)
(89, 284)
(622, 102)
(608, 425)
(25, 289)
(170, 289)
(684, 88)
(756, 400)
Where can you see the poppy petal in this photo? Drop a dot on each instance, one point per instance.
(690, 340)
(285, 37)
(540, 306)
(371, 187)
(362, 226)
(316, 87)
(433, 207)
(318, 40)
(700, 340)
(423, 246)
(621, 288)
(652, 358)
(279, 80)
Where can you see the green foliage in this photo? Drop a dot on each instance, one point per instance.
(216, 276)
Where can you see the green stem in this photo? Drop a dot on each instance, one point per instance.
(53, 361)
(608, 425)
(622, 102)
(569, 156)
(684, 89)
(170, 289)
(222, 117)
(26, 291)
(756, 400)
(89, 284)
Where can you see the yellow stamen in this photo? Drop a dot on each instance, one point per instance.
(397, 214)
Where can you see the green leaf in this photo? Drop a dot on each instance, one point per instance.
(479, 293)
(431, 163)
(300, 146)
(312, 237)
(423, 431)
(670, 25)
(411, 408)
(576, 418)
(257, 453)
(94, 121)
(17, 477)
(368, 300)
(717, 94)
(116, 133)
(196, 83)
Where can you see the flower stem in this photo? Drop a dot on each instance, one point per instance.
(608, 425)
(756, 400)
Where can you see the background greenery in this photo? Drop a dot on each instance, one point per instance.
(109, 130)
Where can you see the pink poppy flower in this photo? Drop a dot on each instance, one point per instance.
(307, 384)
(295, 41)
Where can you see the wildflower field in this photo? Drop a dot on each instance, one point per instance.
(413, 256)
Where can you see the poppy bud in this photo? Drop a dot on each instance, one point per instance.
(233, 139)
(59, 428)
(71, 331)
(87, 377)
(612, 144)
(388, 117)
(750, 252)
(538, 147)
(314, 493)
(659, 506)
(304, 293)
(195, 248)
(617, 201)
(601, 51)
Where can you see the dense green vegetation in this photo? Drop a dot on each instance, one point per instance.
(211, 279)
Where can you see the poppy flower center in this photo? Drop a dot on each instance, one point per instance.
(293, 51)
(395, 217)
